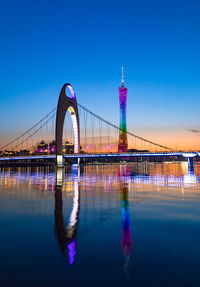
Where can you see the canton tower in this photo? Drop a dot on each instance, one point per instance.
(123, 142)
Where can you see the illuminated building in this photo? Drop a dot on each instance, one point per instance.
(68, 148)
(123, 142)
(42, 147)
(50, 148)
(45, 148)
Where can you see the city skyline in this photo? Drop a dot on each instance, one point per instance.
(160, 58)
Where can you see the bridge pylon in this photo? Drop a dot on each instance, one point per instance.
(190, 158)
(66, 103)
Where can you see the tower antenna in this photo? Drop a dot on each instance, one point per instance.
(122, 77)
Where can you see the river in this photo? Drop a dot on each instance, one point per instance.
(100, 225)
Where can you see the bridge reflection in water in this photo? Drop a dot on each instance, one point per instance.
(66, 235)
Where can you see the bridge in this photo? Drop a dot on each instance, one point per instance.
(54, 152)
(77, 157)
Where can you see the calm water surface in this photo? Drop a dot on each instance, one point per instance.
(102, 225)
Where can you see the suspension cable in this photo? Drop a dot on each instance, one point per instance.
(85, 122)
(23, 134)
(35, 131)
(116, 127)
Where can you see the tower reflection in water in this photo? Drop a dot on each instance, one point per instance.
(126, 241)
(66, 235)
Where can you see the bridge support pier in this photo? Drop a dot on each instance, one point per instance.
(76, 162)
(190, 158)
(190, 163)
(75, 166)
(60, 161)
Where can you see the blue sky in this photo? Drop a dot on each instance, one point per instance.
(44, 44)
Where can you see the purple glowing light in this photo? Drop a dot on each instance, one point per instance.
(71, 251)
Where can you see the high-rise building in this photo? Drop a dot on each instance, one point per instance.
(123, 142)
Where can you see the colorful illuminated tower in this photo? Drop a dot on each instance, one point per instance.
(123, 142)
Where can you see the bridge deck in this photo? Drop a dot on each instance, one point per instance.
(107, 155)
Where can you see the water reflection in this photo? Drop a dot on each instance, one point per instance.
(190, 177)
(162, 199)
(169, 174)
(66, 236)
(126, 241)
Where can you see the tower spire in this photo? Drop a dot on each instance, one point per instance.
(122, 77)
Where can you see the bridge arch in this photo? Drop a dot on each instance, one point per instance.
(66, 103)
